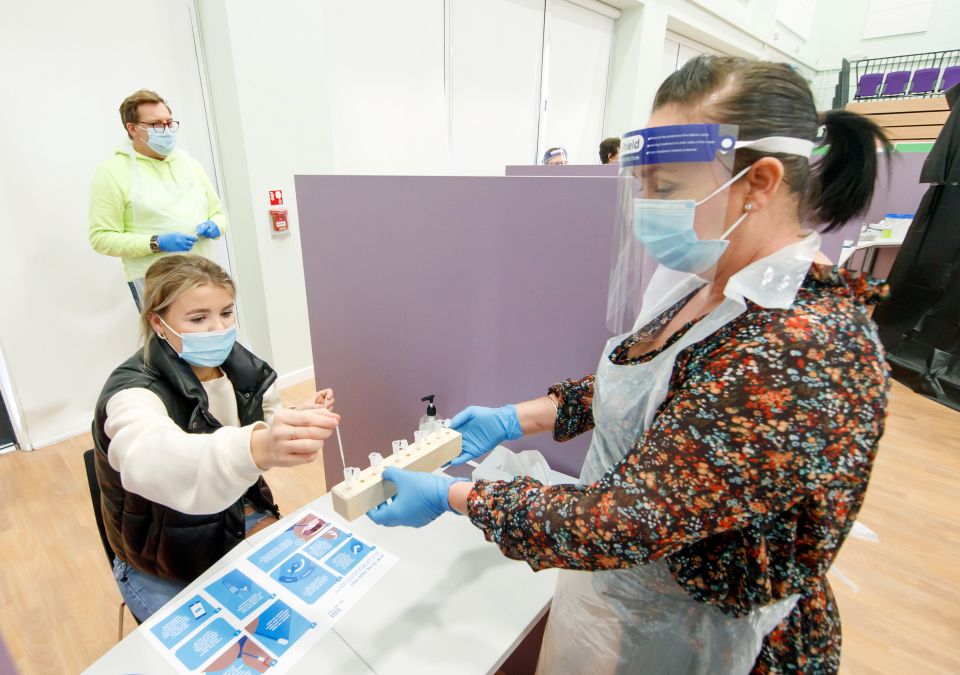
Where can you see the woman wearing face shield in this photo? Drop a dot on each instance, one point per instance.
(184, 430)
(736, 419)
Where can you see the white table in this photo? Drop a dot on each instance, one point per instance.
(870, 246)
(451, 604)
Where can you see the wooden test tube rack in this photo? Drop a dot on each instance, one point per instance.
(369, 489)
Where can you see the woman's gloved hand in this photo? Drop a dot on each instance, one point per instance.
(421, 498)
(208, 229)
(484, 429)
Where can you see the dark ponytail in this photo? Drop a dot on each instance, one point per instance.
(845, 178)
(771, 99)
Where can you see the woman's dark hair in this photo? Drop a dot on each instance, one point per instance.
(771, 99)
(608, 148)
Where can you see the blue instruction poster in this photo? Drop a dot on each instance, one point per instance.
(279, 627)
(304, 578)
(348, 555)
(243, 657)
(269, 556)
(268, 604)
(184, 620)
(238, 593)
(326, 542)
(208, 641)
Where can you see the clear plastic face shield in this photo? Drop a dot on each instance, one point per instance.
(673, 196)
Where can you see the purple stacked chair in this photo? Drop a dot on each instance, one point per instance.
(951, 76)
(868, 85)
(896, 83)
(924, 81)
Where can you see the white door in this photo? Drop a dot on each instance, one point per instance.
(576, 64)
(495, 47)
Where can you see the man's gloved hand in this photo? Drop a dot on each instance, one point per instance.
(208, 229)
(484, 429)
(176, 242)
(421, 498)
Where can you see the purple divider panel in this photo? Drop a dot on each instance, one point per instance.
(596, 170)
(898, 190)
(481, 290)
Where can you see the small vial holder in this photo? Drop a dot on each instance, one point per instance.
(362, 490)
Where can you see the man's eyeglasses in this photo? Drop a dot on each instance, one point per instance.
(172, 125)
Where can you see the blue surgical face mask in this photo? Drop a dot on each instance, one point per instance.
(206, 349)
(665, 228)
(161, 142)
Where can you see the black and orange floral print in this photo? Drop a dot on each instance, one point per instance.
(749, 478)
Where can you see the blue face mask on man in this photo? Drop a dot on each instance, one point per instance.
(161, 142)
(665, 228)
(207, 350)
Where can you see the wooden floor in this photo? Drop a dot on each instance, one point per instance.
(58, 600)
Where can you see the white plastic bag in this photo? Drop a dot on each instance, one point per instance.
(504, 464)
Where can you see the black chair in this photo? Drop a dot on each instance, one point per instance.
(89, 462)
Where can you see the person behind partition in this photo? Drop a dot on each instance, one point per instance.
(735, 418)
(151, 198)
(610, 150)
(184, 430)
(555, 157)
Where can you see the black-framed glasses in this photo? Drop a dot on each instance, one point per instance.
(172, 125)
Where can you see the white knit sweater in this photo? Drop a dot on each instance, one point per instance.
(192, 473)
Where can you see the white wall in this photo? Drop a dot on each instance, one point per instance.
(838, 30)
(737, 27)
(66, 316)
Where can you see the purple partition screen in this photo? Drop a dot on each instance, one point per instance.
(898, 190)
(610, 170)
(480, 290)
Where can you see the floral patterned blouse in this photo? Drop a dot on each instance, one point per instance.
(749, 478)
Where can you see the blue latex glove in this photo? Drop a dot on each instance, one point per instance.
(208, 229)
(176, 242)
(421, 498)
(484, 429)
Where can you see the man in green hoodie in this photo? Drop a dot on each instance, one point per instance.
(151, 198)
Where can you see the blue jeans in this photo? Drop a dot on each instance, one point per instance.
(145, 593)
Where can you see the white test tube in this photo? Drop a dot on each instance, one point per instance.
(399, 446)
(419, 437)
(350, 474)
(376, 459)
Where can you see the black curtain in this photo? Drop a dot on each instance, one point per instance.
(920, 322)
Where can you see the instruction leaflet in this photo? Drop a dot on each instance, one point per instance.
(268, 608)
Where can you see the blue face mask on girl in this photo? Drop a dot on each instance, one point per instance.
(665, 228)
(207, 350)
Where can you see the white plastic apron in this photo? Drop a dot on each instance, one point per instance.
(166, 205)
(640, 620)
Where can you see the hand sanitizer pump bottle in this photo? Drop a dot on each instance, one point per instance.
(428, 422)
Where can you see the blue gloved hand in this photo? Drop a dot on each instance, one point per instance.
(484, 429)
(176, 242)
(208, 229)
(421, 498)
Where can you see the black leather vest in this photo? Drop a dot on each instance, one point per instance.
(152, 537)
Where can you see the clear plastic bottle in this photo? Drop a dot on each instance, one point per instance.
(428, 422)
